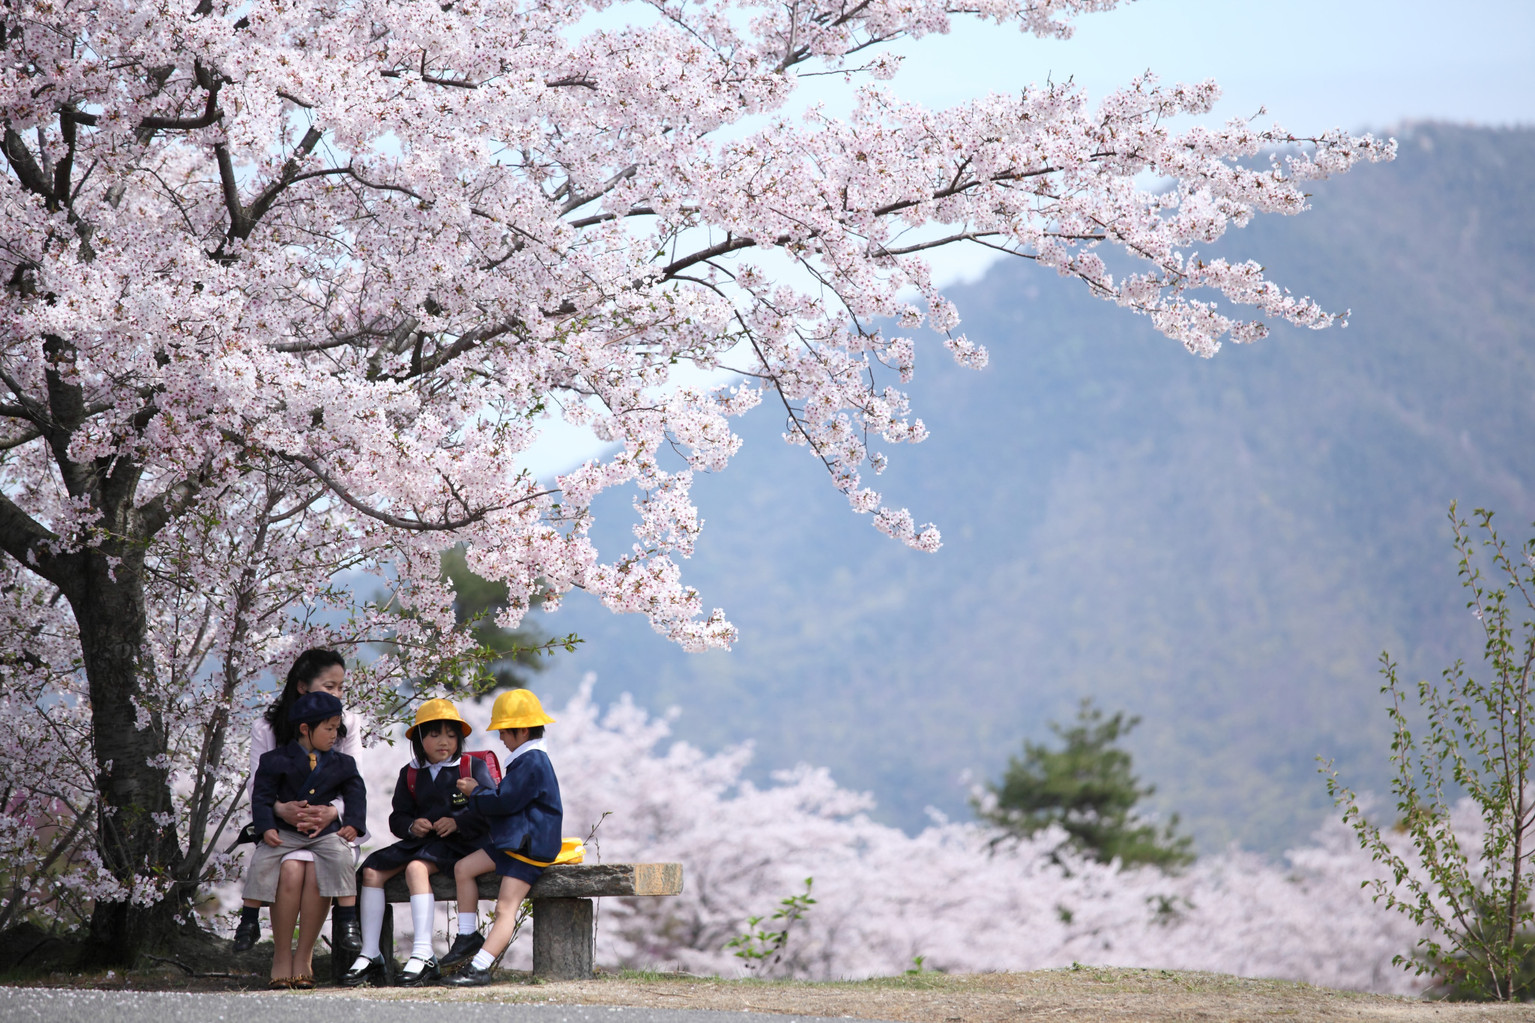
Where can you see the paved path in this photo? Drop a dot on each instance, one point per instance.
(59, 1005)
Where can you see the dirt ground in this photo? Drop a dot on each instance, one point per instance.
(1075, 994)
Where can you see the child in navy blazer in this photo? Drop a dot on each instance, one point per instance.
(436, 830)
(307, 769)
(524, 817)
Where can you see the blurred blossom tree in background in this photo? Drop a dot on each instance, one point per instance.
(977, 905)
(1086, 790)
(290, 289)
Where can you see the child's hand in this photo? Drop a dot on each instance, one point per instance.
(445, 826)
(467, 785)
(420, 826)
(348, 833)
(271, 837)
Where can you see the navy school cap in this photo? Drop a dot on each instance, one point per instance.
(314, 706)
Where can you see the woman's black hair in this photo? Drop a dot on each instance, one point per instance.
(306, 668)
(431, 728)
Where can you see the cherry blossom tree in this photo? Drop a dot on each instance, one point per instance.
(291, 287)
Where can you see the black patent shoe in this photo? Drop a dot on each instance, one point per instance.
(469, 976)
(463, 950)
(429, 973)
(247, 933)
(346, 938)
(371, 972)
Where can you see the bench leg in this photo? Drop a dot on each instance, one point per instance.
(386, 946)
(562, 939)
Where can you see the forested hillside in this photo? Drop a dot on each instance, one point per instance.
(1223, 547)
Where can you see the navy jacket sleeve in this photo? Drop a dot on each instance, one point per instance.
(355, 792)
(264, 793)
(402, 811)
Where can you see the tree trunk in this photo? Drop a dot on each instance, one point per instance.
(132, 789)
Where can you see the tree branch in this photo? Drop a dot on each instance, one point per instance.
(238, 220)
(27, 540)
(579, 199)
(730, 244)
(290, 174)
(25, 165)
(172, 502)
(390, 519)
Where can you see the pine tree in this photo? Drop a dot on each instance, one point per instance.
(1088, 789)
(511, 655)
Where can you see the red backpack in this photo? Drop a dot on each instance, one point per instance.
(465, 767)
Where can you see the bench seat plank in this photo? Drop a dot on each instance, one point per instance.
(566, 881)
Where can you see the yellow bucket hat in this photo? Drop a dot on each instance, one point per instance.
(436, 710)
(517, 708)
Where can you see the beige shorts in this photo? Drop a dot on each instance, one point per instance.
(335, 866)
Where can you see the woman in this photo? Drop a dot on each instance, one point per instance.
(298, 892)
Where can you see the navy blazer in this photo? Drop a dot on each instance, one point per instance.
(524, 813)
(433, 801)
(282, 775)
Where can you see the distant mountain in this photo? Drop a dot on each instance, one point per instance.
(1223, 547)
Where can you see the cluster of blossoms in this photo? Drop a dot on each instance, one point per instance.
(957, 894)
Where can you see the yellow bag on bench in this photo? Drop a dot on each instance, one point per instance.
(572, 850)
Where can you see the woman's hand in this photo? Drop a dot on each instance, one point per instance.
(348, 833)
(314, 819)
(445, 826)
(289, 812)
(420, 826)
(467, 785)
(271, 837)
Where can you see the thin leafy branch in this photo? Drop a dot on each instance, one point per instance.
(1476, 739)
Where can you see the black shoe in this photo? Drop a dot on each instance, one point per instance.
(429, 974)
(469, 976)
(372, 973)
(247, 933)
(463, 950)
(346, 939)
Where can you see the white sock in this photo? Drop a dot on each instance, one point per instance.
(482, 960)
(468, 923)
(422, 910)
(370, 915)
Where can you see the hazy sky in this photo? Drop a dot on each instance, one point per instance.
(1315, 64)
(1312, 64)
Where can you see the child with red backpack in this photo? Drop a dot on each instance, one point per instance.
(436, 828)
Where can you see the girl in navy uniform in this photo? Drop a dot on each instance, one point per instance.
(523, 815)
(436, 831)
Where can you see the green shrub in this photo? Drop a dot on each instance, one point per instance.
(1478, 739)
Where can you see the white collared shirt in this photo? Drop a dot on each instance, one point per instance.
(527, 747)
(422, 765)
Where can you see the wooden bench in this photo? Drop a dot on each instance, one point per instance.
(563, 932)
